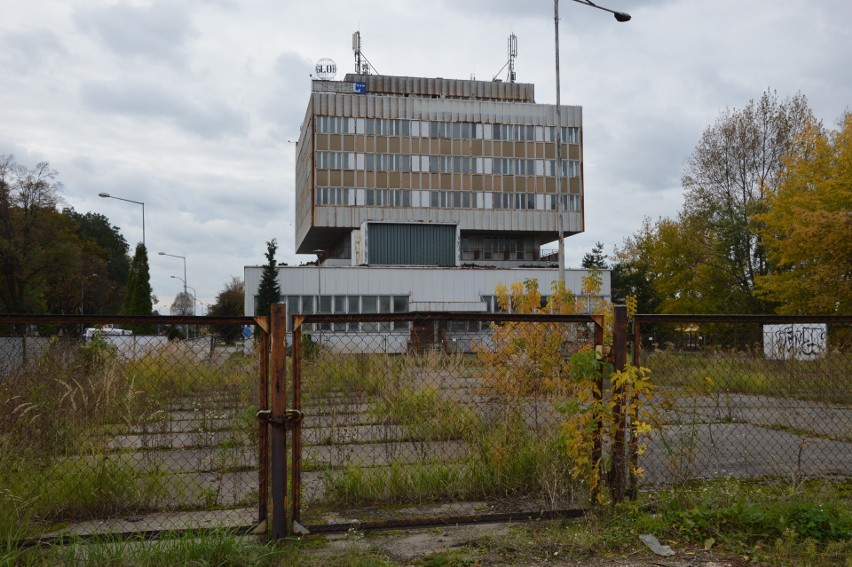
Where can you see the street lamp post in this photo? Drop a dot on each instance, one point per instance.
(83, 292)
(621, 17)
(108, 196)
(319, 252)
(184, 266)
(320, 326)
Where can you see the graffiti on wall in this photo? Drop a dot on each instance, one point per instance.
(795, 341)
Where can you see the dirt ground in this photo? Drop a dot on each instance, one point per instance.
(495, 544)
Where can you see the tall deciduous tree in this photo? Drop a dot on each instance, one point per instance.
(34, 243)
(729, 178)
(105, 252)
(184, 304)
(807, 228)
(269, 291)
(230, 302)
(633, 270)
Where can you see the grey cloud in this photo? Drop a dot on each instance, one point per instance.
(208, 120)
(157, 31)
(498, 9)
(28, 50)
(288, 98)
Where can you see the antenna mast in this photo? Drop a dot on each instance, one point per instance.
(362, 64)
(513, 52)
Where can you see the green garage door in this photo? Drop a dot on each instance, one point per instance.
(392, 244)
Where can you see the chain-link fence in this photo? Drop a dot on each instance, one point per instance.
(408, 418)
(127, 424)
(121, 425)
(746, 397)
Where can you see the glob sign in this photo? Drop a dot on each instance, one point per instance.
(325, 69)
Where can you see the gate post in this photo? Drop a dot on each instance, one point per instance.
(617, 474)
(263, 429)
(278, 331)
(597, 448)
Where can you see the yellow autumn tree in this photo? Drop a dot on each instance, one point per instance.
(807, 227)
(526, 357)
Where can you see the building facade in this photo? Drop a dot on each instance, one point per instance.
(479, 155)
(422, 194)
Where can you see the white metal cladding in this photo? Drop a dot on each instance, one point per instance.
(422, 284)
(459, 110)
(524, 220)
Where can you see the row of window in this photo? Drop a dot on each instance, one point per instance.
(434, 129)
(348, 304)
(368, 304)
(443, 199)
(475, 247)
(444, 164)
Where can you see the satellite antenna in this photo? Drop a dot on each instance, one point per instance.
(513, 53)
(362, 64)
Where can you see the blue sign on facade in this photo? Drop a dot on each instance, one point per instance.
(359, 88)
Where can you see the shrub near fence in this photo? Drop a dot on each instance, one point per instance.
(148, 434)
(748, 396)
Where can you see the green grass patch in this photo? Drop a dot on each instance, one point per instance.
(425, 414)
(828, 379)
(498, 464)
(353, 375)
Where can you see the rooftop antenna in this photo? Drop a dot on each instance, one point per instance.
(362, 64)
(513, 53)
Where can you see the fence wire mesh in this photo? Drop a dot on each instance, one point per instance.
(747, 397)
(420, 417)
(126, 427)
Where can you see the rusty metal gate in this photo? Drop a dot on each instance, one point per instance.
(421, 419)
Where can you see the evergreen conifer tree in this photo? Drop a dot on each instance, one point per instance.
(137, 298)
(269, 291)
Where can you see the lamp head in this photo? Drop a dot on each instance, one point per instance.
(104, 195)
(621, 16)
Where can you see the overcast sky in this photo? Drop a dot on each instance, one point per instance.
(188, 105)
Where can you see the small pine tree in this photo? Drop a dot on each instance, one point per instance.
(269, 291)
(596, 258)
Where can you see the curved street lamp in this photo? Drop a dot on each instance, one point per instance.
(108, 196)
(184, 267)
(621, 17)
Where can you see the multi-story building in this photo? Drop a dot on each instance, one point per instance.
(397, 175)
(467, 167)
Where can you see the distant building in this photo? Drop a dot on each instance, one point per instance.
(422, 194)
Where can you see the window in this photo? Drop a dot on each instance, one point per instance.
(352, 301)
(385, 307)
(369, 304)
(400, 305)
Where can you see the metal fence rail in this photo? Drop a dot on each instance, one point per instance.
(425, 418)
(747, 396)
(141, 424)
